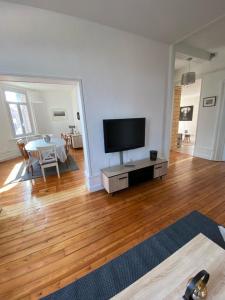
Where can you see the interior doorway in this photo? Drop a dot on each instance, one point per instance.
(53, 107)
(185, 118)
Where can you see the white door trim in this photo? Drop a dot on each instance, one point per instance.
(219, 141)
(168, 110)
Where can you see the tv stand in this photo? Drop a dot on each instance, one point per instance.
(129, 165)
(121, 158)
(122, 176)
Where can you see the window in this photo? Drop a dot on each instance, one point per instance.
(19, 113)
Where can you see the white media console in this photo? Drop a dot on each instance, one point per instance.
(120, 177)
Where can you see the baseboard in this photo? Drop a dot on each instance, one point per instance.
(4, 156)
(94, 183)
(203, 152)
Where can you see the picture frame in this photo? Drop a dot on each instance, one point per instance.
(186, 113)
(209, 101)
(59, 114)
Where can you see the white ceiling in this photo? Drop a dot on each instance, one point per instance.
(210, 38)
(164, 20)
(182, 62)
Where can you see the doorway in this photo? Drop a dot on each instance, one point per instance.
(55, 106)
(185, 118)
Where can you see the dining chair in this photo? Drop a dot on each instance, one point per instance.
(68, 141)
(34, 137)
(187, 137)
(63, 135)
(48, 159)
(67, 138)
(28, 159)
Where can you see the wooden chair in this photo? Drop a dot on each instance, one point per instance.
(30, 138)
(63, 135)
(187, 137)
(48, 159)
(34, 137)
(26, 156)
(68, 141)
(67, 138)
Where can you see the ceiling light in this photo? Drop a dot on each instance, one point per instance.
(188, 77)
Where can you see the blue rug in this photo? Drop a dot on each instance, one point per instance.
(119, 273)
(23, 175)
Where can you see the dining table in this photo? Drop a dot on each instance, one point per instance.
(32, 147)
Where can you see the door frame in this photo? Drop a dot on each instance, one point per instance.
(81, 104)
(219, 142)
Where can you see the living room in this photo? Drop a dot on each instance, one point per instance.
(70, 237)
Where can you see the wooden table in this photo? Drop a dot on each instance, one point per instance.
(32, 146)
(168, 280)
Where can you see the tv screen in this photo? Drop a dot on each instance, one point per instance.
(124, 134)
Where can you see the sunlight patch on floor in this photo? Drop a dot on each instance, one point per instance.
(37, 203)
(8, 187)
(14, 172)
(181, 161)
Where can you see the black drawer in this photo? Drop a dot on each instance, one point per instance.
(140, 175)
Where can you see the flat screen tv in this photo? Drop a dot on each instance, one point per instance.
(123, 134)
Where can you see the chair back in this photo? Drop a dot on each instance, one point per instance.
(68, 141)
(47, 154)
(23, 151)
(67, 138)
(63, 135)
(34, 137)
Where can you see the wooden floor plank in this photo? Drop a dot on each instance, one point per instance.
(56, 232)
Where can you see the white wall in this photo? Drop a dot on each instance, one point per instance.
(208, 116)
(75, 109)
(190, 95)
(123, 75)
(56, 99)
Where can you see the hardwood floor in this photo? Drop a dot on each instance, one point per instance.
(52, 234)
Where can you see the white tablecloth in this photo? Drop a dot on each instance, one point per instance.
(59, 143)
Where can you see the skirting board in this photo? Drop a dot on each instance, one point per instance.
(203, 152)
(4, 156)
(94, 183)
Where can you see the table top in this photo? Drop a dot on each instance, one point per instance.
(33, 145)
(169, 279)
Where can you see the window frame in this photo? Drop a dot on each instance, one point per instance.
(27, 103)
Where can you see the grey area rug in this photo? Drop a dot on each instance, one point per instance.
(22, 174)
(119, 273)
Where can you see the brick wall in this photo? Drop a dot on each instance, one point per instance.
(176, 113)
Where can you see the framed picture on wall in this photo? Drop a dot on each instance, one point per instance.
(186, 113)
(59, 114)
(209, 101)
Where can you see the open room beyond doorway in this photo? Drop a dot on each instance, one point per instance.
(185, 117)
(188, 119)
(33, 110)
